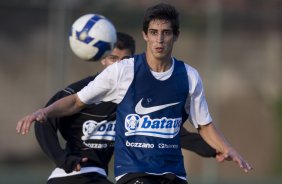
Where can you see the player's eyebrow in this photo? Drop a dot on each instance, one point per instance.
(125, 57)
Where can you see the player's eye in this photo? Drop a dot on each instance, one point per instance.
(153, 32)
(125, 57)
(112, 58)
(167, 32)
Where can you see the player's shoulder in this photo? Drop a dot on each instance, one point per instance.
(78, 85)
(127, 61)
(124, 64)
(191, 71)
(117, 71)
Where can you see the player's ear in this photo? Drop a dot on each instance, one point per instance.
(145, 36)
(103, 62)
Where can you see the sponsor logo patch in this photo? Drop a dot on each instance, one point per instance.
(163, 127)
(103, 130)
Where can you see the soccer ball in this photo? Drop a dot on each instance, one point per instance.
(92, 36)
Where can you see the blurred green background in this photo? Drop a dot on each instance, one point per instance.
(235, 45)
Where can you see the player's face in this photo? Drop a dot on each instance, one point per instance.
(160, 39)
(115, 56)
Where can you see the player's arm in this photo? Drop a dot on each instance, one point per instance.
(47, 133)
(64, 107)
(200, 117)
(215, 138)
(96, 91)
(195, 143)
(47, 136)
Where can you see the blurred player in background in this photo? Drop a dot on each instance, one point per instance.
(89, 134)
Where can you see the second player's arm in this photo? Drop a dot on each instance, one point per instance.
(195, 143)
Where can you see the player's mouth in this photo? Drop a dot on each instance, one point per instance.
(159, 49)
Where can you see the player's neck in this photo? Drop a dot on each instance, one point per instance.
(159, 64)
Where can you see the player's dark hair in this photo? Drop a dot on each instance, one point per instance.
(162, 11)
(125, 41)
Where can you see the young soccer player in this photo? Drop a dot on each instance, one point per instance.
(89, 134)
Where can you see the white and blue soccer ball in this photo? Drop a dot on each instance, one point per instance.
(92, 37)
